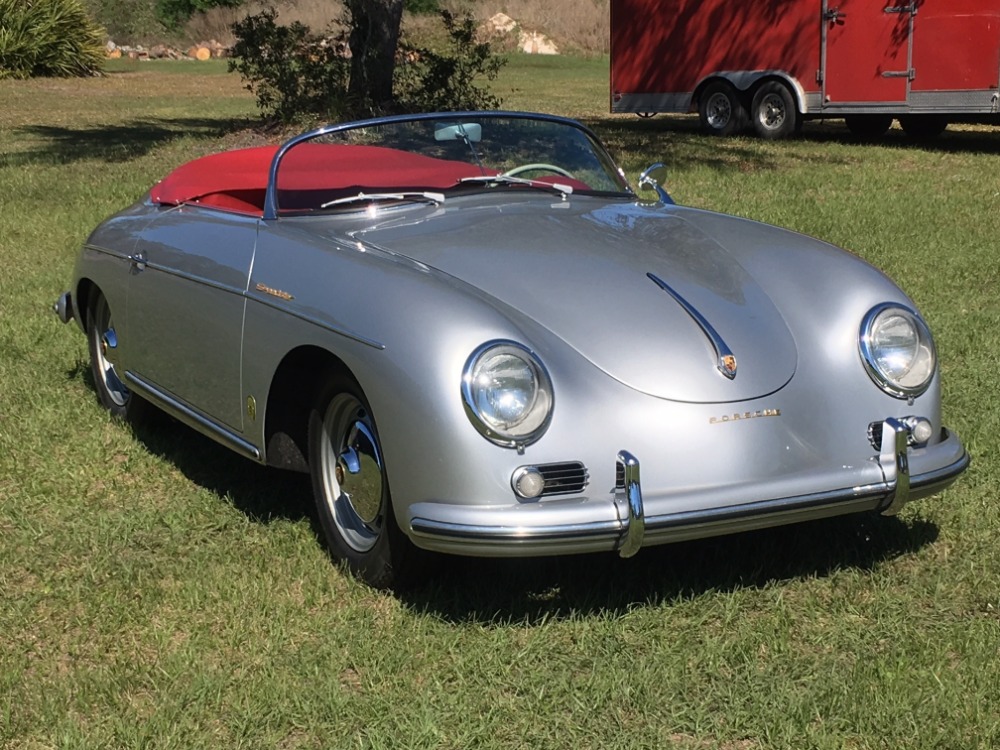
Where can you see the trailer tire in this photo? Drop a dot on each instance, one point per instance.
(868, 126)
(923, 126)
(721, 109)
(773, 113)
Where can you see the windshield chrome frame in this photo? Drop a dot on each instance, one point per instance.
(271, 196)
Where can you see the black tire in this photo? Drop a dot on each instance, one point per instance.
(351, 489)
(868, 126)
(721, 109)
(923, 126)
(112, 392)
(772, 113)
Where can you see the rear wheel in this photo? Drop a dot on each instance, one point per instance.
(721, 110)
(868, 126)
(923, 126)
(351, 489)
(102, 339)
(772, 113)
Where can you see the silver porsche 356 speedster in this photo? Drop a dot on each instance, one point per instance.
(478, 339)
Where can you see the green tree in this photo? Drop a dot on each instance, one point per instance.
(374, 39)
(298, 75)
(173, 13)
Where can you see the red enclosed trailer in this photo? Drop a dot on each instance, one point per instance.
(774, 63)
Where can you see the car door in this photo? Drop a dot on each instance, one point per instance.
(186, 301)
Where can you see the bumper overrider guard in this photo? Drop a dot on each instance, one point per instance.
(630, 527)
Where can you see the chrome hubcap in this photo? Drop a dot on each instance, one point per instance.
(772, 112)
(719, 110)
(351, 465)
(105, 353)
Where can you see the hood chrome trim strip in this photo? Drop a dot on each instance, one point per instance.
(725, 359)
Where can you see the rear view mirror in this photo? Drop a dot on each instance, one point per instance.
(470, 132)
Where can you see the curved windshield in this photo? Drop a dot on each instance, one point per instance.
(428, 158)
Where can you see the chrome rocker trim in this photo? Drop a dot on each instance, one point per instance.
(184, 413)
(633, 528)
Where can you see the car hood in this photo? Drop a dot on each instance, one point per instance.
(583, 272)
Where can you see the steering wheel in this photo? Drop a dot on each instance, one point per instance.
(537, 167)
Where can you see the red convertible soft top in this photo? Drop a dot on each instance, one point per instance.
(237, 180)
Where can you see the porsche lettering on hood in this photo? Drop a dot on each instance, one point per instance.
(550, 265)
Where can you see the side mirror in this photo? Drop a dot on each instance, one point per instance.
(653, 178)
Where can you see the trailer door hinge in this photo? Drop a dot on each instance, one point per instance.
(819, 76)
(911, 8)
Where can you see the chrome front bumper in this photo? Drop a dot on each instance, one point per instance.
(622, 524)
(63, 307)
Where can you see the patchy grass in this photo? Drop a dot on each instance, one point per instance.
(160, 592)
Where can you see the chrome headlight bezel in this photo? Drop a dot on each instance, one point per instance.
(922, 366)
(537, 411)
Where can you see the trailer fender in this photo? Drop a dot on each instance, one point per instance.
(746, 81)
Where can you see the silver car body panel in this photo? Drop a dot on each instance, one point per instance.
(215, 301)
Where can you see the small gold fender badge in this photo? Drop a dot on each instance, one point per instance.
(251, 407)
(274, 292)
(745, 415)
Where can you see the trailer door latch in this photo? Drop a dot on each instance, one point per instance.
(833, 15)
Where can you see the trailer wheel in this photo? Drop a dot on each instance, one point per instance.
(721, 110)
(773, 112)
(923, 126)
(868, 126)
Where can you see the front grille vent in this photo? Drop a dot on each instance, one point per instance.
(564, 478)
(619, 475)
(875, 435)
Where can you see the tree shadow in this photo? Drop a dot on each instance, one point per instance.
(114, 143)
(679, 141)
(531, 591)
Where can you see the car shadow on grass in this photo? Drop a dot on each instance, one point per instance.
(113, 143)
(499, 592)
(496, 592)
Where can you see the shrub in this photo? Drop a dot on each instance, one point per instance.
(431, 80)
(298, 76)
(174, 13)
(126, 21)
(294, 74)
(48, 38)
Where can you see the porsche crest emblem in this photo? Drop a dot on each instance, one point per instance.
(727, 363)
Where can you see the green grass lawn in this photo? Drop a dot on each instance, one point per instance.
(157, 591)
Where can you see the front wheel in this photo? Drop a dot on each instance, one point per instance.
(351, 489)
(773, 113)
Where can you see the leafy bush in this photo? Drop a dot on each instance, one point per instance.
(126, 21)
(48, 38)
(293, 73)
(297, 75)
(444, 80)
(173, 13)
(422, 6)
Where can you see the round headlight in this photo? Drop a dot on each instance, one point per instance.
(898, 350)
(507, 393)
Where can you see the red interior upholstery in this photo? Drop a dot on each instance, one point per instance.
(310, 174)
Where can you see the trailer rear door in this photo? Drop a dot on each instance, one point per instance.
(866, 55)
